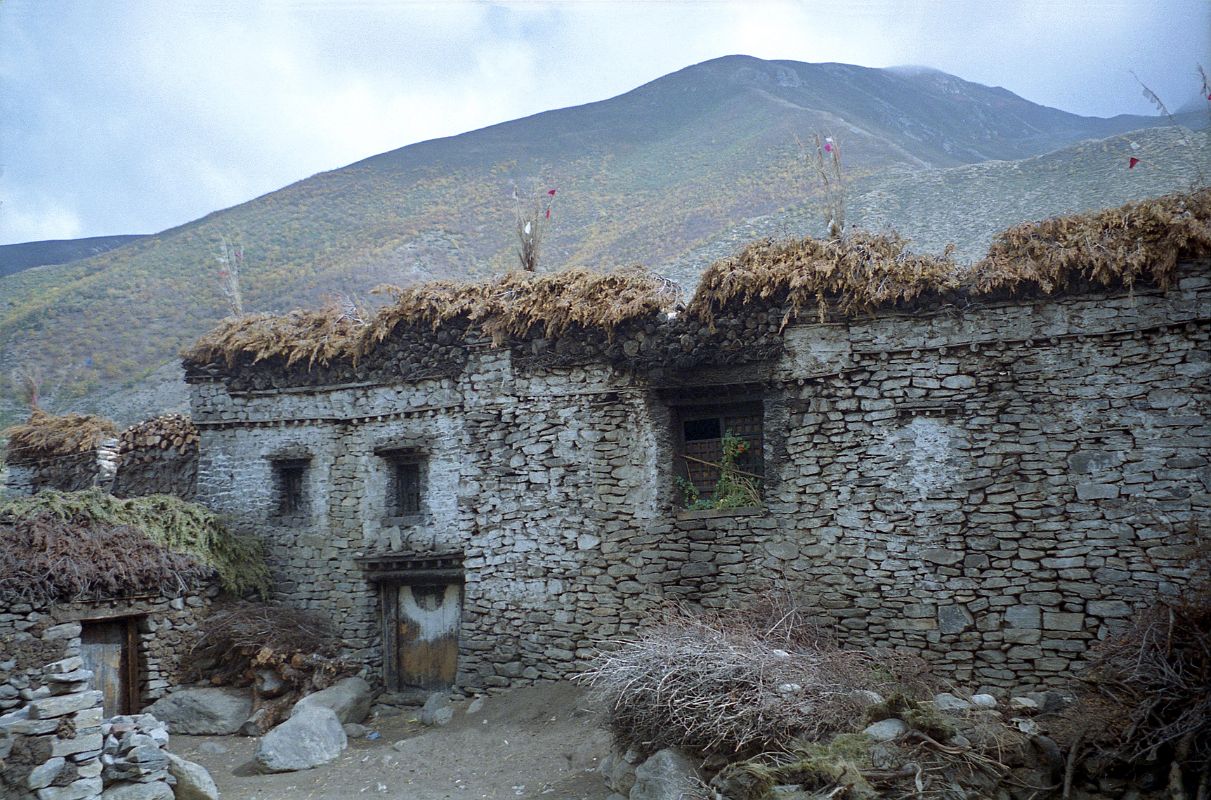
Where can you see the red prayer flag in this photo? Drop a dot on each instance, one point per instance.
(1131, 164)
(548, 213)
(551, 192)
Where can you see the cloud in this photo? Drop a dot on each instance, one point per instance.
(135, 115)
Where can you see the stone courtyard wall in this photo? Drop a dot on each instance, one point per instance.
(995, 487)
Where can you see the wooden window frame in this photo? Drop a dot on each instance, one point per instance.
(290, 488)
(744, 418)
(398, 509)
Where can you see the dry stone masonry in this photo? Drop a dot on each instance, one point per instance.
(995, 486)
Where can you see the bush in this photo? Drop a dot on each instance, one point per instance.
(738, 683)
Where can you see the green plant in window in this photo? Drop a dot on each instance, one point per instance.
(690, 499)
(735, 488)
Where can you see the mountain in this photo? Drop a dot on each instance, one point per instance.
(650, 176)
(16, 257)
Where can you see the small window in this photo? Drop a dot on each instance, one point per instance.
(405, 482)
(405, 488)
(290, 484)
(719, 455)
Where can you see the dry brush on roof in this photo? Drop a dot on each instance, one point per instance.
(514, 305)
(313, 336)
(164, 521)
(44, 558)
(1136, 242)
(858, 274)
(45, 436)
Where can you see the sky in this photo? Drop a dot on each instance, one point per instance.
(133, 116)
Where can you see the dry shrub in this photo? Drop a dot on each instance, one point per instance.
(732, 684)
(240, 639)
(516, 304)
(858, 274)
(46, 436)
(44, 559)
(1158, 674)
(1136, 242)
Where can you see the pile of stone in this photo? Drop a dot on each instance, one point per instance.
(50, 747)
(135, 764)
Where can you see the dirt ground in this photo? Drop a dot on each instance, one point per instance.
(538, 741)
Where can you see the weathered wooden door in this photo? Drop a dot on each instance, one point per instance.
(421, 624)
(109, 650)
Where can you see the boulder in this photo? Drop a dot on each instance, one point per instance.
(668, 775)
(193, 781)
(618, 773)
(949, 702)
(311, 737)
(349, 699)
(437, 710)
(203, 712)
(886, 730)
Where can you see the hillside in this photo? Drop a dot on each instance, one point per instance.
(17, 257)
(649, 176)
(966, 206)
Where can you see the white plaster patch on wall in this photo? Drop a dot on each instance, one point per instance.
(929, 458)
(433, 619)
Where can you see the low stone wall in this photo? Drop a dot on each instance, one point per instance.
(67, 473)
(996, 487)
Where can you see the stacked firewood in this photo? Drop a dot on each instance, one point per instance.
(142, 442)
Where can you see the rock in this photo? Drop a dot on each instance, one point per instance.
(983, 701)
(153, 790)
(1023, 704)
(437, 710)
(311, 737)
(257, 724)
(886, 730)
(203, 712)
(354, 730)
(617, 772)
(667, 775)
(42, 775)
(949, 702)
(475, 706)
(269, 684)
(193, 781)
(348, 698)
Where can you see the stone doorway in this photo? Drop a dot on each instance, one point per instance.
(110, 649)
(420, 599)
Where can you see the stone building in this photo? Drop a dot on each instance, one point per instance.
(992, 480)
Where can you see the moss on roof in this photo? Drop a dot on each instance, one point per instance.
(109, 557)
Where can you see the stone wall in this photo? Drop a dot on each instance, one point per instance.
(34, 636)
(67, 473)
(995, 487)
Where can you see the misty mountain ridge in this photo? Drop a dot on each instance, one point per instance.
(665, 175)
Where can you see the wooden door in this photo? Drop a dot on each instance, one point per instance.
(421, 624)
(109, 650)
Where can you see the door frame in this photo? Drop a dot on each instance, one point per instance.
(128, 669)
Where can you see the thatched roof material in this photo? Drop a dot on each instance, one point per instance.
(1113, 247)
(45, 436)
(163, 524)
(858, 274)
(514, 305)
